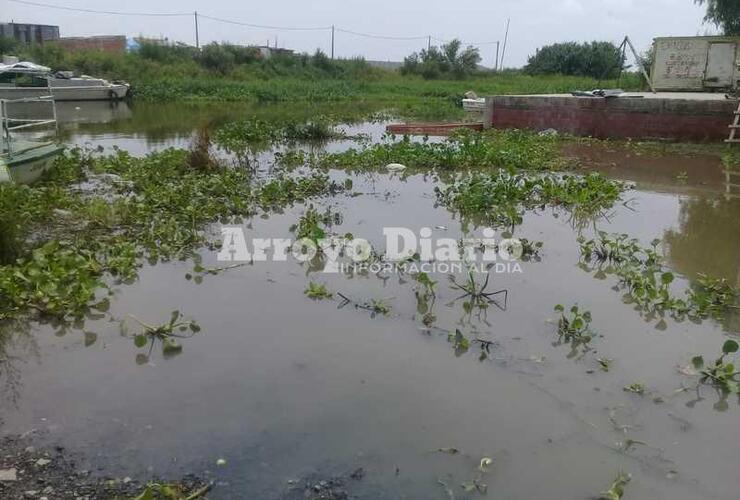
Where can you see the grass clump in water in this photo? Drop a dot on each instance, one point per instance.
(513, 149)
(499, 198)
(248, 137)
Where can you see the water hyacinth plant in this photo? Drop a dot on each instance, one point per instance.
(647, 282)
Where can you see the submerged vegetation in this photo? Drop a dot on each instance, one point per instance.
(722, 374)
(168, 334)
(647, 283)
(71, 241)
(512, 149)
(499, 199)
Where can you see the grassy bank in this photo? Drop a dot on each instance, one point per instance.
(176, 73)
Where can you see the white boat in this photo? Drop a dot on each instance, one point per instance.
(24, 80)
(24, 155)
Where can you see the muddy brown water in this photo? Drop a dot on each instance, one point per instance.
(284, 388)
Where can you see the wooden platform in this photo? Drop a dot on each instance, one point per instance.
(435, 129)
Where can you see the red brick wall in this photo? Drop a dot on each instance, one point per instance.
(687, 119)
(113, 44)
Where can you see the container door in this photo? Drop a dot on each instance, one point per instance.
(720, 65)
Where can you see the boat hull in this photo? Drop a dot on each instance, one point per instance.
(81, 93)
(29, 165)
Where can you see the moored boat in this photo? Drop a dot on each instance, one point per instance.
(24, 80)
(24, 160)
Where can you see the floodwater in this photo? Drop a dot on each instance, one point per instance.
(285, 388)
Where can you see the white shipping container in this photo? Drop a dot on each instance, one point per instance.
(696, 63)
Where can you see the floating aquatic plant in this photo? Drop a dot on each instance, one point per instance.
(616, 490)
(168, 334)
(722, 373)
(318, 291)
(647, 281)
(500, 198)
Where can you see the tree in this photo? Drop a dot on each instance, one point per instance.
(723, 13)
(445, 61)
(595, 59)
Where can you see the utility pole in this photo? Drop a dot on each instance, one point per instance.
(332, 41)
(429, 43)
(197, 36)
(506, 39)
(495, 68)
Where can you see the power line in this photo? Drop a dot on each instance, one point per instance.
(261, 26)
(248, 25)
(110, 12)
(382, 37)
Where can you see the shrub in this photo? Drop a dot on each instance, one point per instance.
(7, 45)
(217, 58)
(445, 61)
(594, 59)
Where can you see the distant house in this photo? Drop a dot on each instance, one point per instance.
(29, 33)
(390, 65)
(115, 44)
(267, 52)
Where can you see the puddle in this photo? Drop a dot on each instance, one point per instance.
(284, 388)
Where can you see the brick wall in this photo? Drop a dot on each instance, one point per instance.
(113, 44)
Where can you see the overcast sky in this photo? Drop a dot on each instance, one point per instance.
(533, 22)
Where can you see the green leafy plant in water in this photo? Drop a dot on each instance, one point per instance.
(426, 297)
(476, 293)
(171, 491)
(319, 128)
(66, 243)
(459, 342)
(574, 328)
(168, 334)
(55, 279)
(722, 374)
(375, 306)
(512, 149)
(712, 297)
(318, 291)
(284, 190)
(311, 224)
(378, 306)
(635, 388)
(648, 283)
(616, 490)
(500, 198)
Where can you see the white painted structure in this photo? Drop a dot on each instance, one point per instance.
(703, 63)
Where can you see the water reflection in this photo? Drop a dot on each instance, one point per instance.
(17, 347)
(706, 242)
(707, 238)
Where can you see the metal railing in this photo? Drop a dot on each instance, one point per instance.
(8, 124)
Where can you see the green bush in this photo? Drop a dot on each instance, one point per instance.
(594, 59)
(217, 58)
(445, 61)
(7, 45)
